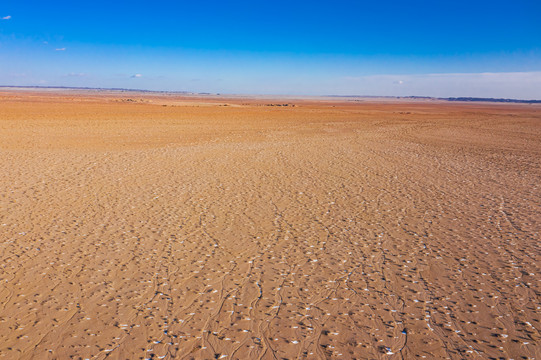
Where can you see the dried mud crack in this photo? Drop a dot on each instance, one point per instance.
(321, 230)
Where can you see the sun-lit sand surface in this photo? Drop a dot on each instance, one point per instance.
(138, 226)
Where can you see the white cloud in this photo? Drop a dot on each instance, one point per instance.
(136, 76)
(60, 49)
(6, 17)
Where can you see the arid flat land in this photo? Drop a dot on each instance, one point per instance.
(144, 226)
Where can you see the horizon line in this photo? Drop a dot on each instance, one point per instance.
(185, 92)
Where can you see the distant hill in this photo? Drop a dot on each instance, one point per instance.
(493, 100)
(96, 89)
(468, 99)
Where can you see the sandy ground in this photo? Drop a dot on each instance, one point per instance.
(153, 227)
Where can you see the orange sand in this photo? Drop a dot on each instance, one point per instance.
(177, 227)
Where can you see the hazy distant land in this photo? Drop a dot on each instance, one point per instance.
(463, 99)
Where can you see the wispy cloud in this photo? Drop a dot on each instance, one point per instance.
(6, 17)
(60, 49)
(136, 76)
(76, 74)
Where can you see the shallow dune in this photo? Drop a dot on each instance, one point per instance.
(141, 226)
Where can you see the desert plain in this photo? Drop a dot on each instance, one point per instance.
(160, 226)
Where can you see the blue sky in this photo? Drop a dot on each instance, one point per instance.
(417, 47)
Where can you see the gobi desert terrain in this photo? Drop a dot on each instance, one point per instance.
(144, 226)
